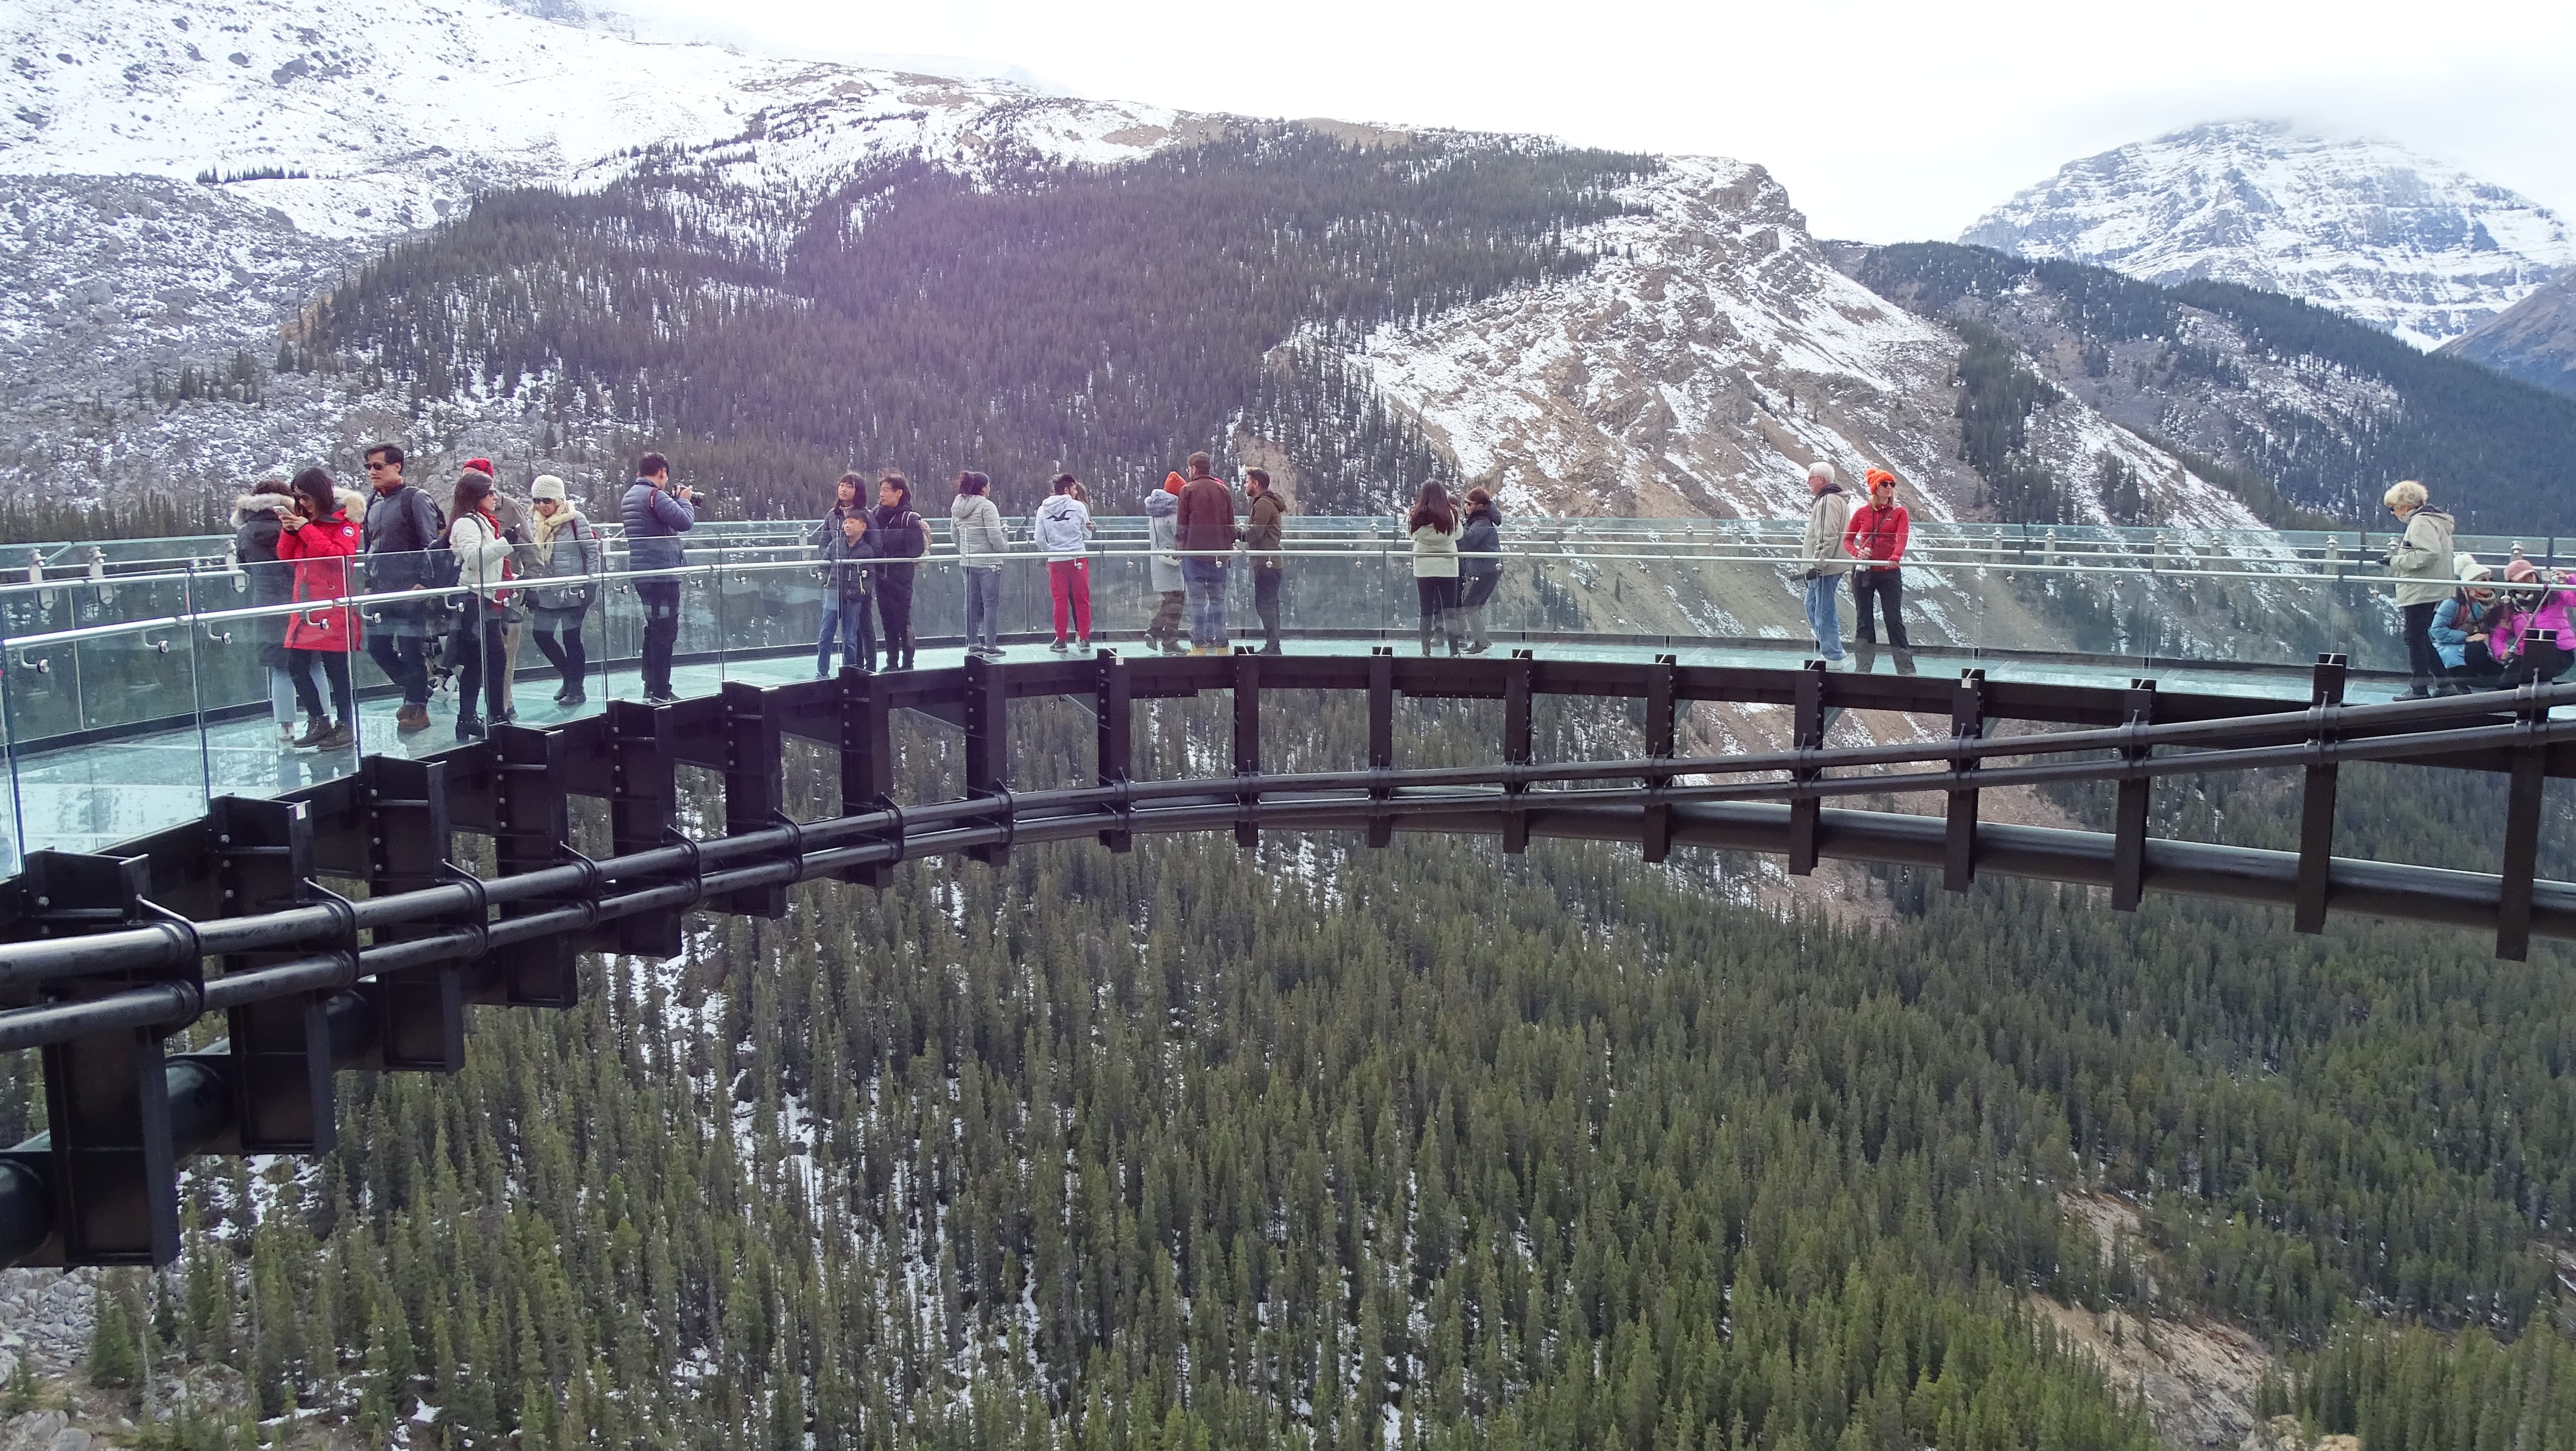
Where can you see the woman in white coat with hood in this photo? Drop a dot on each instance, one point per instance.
(483, 568)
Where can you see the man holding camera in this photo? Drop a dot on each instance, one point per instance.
(657, 514)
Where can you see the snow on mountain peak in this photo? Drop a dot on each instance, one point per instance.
(2365, 227)
(371, 120)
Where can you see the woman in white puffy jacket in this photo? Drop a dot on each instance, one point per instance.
(482, 566)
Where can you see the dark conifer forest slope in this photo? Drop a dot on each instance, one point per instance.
(2323, 409)
(1330, 1148)
(1037, 317)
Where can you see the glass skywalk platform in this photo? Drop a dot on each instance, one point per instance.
(132, 688)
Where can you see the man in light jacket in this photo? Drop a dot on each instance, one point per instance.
(2421, 561)
(1828, 516)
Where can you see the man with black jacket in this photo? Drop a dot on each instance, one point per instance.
(656, 515)
(899, 534)
(402, 528)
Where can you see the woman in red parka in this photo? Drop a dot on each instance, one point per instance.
(318, 535)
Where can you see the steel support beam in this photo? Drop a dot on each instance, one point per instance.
(1113, 695)
(281, 1071)
(1959, 822)
(2130, 811)
(2317, 798)
(420, 1013)
(1247, 738)
(1657, 843)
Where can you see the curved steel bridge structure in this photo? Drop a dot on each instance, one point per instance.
(105, 956)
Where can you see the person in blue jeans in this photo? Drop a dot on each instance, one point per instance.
(826, 537)
(976, 523)
(1821, 551)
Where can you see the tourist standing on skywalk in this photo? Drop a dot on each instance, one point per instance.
(1206, 531)
(657, 514)
(2421, 561)
(1876, 539)
(562, 546)
(847, 562)
(1828, 517)
(1063, 527)
(1163, 565)
(976, 523)
(903, 536)
(825, 538)
(1267, 517)
(1433, 525)
(483, 568)
(401, 528)
(255, 530)
(319, 538)
(1480, 566)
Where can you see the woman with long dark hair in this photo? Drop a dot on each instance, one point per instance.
(318, 535)
(1434, 527)
(483, 568)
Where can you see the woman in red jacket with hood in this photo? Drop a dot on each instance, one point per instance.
(318, 536)
(1876, 537)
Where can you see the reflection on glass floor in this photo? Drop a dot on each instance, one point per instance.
(89, 797)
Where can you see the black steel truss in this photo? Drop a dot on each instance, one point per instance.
(104, 956)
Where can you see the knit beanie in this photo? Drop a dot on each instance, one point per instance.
(2521, 571)
(1172, 483)
(1876, 477)
(547, 486)
(482, 466)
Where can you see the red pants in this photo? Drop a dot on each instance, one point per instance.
(1069, 580)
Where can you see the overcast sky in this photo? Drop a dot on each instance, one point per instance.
(1886, 120)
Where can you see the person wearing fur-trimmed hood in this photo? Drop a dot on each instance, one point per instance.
(271, 583)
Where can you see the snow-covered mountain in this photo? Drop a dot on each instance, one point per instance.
(359, 123)
(2375, 231)
(1711, 353)
(1706, 359)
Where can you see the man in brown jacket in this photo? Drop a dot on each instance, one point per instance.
(1268, 513)
(1206, 529)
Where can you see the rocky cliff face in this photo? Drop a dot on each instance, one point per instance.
(2397, 240)
(2534, 340)
(1707, 359)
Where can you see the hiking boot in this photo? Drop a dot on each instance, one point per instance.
(341, 737)
(316, 730)
(412, 717)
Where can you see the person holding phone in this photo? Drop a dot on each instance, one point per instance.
(657, 513)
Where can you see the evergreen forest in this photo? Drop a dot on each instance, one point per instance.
(1434, 1146)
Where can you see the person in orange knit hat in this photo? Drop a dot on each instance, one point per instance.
(1876, 537)
(1163, 566)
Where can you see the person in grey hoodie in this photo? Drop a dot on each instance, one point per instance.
(2421, 562)
(1163, 566)
(977, 525)
(1821, 552)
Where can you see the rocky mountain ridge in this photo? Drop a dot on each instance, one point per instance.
(2534, 340)
(2368, 228)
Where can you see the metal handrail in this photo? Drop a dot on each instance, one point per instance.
(2278, 574)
